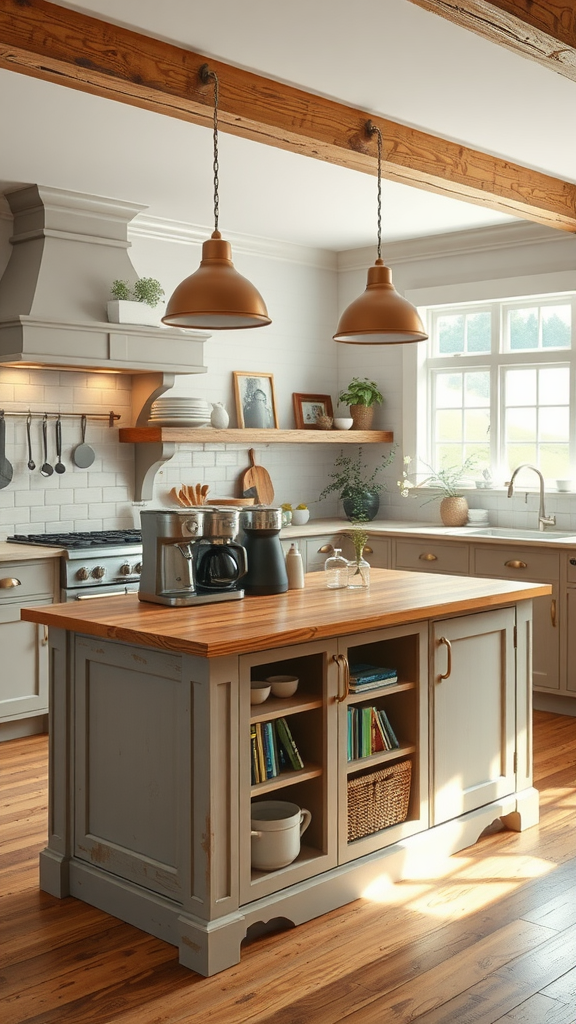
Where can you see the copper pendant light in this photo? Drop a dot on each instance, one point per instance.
(216, 297)
(380, 316)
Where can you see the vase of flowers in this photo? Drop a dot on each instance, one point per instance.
(358, 567)
(356, 486)
(448, 481)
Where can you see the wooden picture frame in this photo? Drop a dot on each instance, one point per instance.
(307, 407)
(255, 399)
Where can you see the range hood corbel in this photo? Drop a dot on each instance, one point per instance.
(67, 248)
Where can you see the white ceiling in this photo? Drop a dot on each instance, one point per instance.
(388, 57)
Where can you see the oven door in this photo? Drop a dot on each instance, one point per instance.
(102, 590)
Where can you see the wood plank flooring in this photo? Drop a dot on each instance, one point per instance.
(486, 937)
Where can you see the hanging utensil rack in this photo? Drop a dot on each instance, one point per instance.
(110, 416)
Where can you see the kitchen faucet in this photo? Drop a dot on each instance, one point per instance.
(543, 519)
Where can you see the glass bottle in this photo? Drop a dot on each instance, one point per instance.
(358, 574)
(336, 571)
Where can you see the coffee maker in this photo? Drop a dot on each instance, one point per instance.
(176, 542)
(260, 525)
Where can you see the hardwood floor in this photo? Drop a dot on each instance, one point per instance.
(487, 937)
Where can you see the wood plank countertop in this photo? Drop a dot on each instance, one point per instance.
(259, 623)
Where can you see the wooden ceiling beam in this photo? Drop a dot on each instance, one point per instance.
(542, 30)
(58, 45)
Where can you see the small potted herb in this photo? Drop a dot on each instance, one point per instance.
(447, 481)
(361, 396)
(136, 304)
(358, 488)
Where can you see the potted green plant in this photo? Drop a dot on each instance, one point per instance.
(139, 303)
(361, 396)
(448, 482)
(358, 488)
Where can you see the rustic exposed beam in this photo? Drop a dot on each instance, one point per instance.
(59, 45)
(543, 30)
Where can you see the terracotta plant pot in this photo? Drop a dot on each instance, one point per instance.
(362, 416)
(454, 511)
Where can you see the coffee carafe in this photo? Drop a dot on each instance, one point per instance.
(221, 563)
(260, 526)
(170, 545)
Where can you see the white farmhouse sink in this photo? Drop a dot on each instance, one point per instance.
(511, 534)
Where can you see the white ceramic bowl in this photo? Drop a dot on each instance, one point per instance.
(300, 516)
(259, 692)
(343, 422)
(283, 686)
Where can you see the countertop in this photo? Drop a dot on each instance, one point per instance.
(26, 552)
(395, 528)
(262, 623)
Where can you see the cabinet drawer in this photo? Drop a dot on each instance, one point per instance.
(431, 556)
(318, 549)
(35, 579)
(515, 562)
(377, 552)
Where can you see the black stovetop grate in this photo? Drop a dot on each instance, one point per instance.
(93, 539)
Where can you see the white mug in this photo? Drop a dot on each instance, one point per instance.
(563, 485)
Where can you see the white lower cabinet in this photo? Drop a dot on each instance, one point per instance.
(473, 712)
(24, 677)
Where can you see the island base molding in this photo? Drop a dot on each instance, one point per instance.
(208, 947)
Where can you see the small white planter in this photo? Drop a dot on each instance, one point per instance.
(126, 311)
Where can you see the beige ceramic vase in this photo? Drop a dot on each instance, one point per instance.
(362, 416)
(454, 511)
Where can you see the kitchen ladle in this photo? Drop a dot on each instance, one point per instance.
(59, 467)
(31, 463)
(83, 455)
(6, 469)
(46, 469)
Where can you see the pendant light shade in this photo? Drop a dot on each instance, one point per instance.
(216, 297)
(380, 316)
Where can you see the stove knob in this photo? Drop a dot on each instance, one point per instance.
(125, 570)
(138, 567)
(98, 572)
(83, 573)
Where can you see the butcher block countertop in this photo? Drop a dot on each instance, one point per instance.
(260, 623)
(26, 552)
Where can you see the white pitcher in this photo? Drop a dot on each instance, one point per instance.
(219, 418)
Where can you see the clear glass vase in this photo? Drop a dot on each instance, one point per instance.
(358, 574)
(336, 571)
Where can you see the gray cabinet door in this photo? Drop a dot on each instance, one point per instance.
(24, 678)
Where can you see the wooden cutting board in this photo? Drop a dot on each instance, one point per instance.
(256, 482)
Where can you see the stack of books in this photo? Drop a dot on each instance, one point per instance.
(369, 732)
(273, 750)
(370, 677)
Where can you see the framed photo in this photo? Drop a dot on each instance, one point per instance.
(255, 399)
(308, 407)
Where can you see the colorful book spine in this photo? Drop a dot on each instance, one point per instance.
(287, 741)
(394, 744)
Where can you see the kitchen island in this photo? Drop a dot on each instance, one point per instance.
(151, 772)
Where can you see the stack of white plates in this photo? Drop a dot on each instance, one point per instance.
(477, 517)
(179, 412)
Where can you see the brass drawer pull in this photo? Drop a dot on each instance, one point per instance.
(9, 581)
(325, 549)
(368, 550)
(344, 675)
(428, 558)
(515, 563)
(448, 672)
(553, 612)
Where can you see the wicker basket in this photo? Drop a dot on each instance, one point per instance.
(378, 799)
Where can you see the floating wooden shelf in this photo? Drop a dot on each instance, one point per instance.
(209, 435)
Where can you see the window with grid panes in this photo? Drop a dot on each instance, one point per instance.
(501, 382)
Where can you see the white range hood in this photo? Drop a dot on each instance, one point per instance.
(67, 248)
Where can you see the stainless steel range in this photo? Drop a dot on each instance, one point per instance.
(94, 564)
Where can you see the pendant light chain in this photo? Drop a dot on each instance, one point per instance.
(206, 75)
(373, 129)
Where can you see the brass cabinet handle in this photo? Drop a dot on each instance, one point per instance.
(448, 672)
(9, 581)
(553, 612)
(515, 563)
(428, 557)
(368, 550)
(325, 549)
(344, 675)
